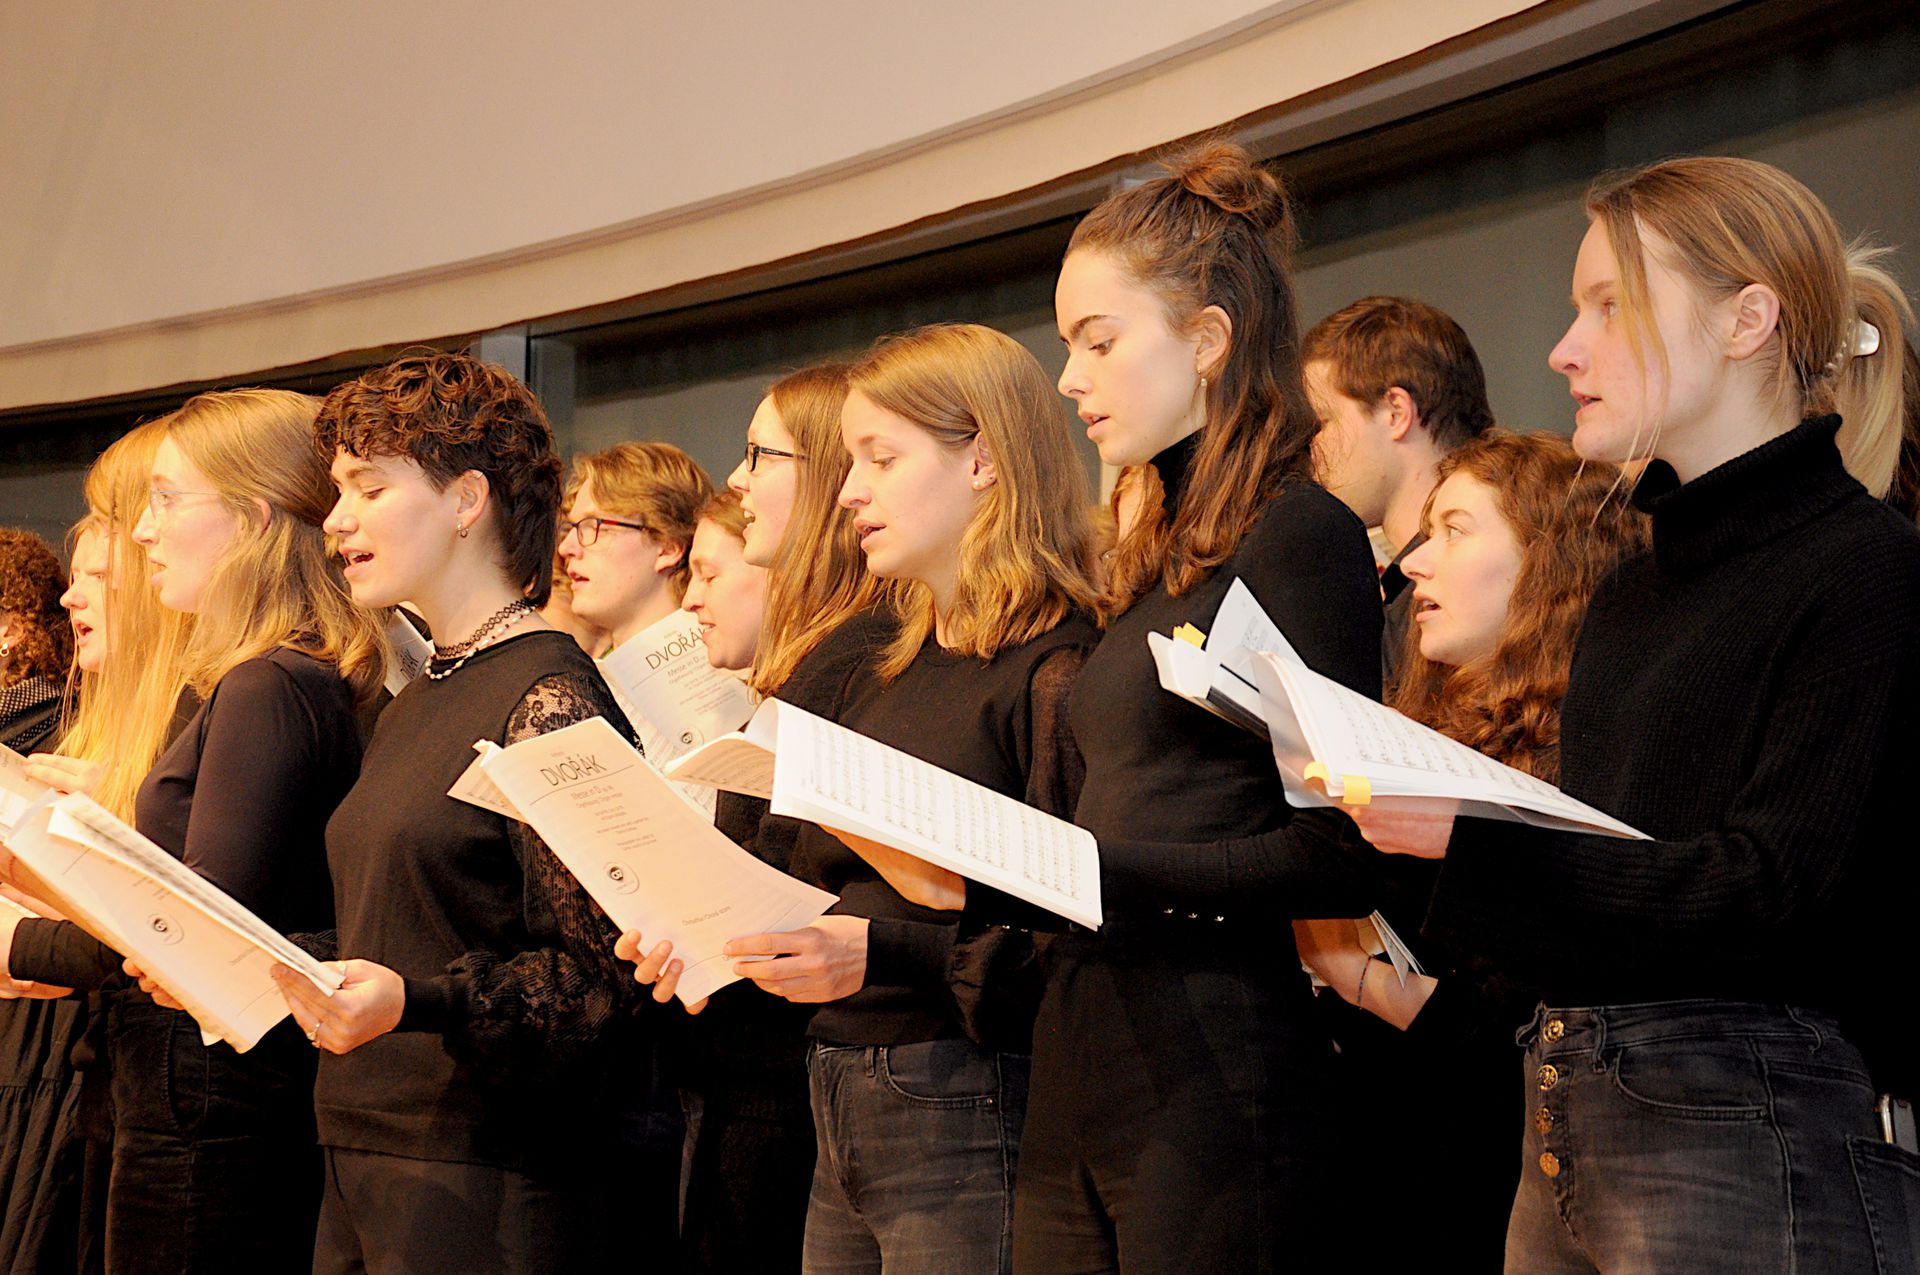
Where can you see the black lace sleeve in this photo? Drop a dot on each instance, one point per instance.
(555, 1000)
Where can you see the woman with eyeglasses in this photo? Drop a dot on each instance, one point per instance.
(743, 1080)
(214, 1164)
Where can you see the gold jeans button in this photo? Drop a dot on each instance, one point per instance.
(1543, 1120)
(1549, 1077)
(1550, 1164)
(1553, 1031)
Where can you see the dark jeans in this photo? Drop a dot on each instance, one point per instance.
(1701, 1137)
(916, 1149)
(214, 1162)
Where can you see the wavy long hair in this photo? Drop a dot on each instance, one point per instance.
(276, 583)
(1219, 230)
(819, 579)
(122, 717)
(1572, 528)
(1027, 557)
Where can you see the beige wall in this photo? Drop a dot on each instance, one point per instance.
(202, 190)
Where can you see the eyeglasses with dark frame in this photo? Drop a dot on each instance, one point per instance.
(755, 451)
(588, 528)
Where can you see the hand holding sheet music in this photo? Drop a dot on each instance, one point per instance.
(1332, 744)
(1363, 752)
(820, 771)
(650, 860)
(185, 932)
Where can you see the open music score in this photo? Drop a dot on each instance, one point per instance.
(817, 770)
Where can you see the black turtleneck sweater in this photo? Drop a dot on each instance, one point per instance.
(1188, 810)
(1745, 692)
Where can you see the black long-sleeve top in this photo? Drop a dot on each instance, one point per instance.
(1188, 810)
(1000, 723)
(242, 797)
(519, 1020)
(1745, 692)
(745, 1032)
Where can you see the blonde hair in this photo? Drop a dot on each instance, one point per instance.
(1729, 223)
(1027, 557)
(652, 483)
(276, 583)
(122, 717)
(818, 580)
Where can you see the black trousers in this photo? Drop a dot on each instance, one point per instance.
(749, 1167)
(214, 1163)
(1185, 1113)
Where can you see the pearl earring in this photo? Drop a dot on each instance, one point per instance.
(1203, 385)
(461, 528)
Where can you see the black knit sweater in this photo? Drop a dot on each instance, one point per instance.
(1745, 692)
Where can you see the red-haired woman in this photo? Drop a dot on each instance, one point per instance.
(1519, 533)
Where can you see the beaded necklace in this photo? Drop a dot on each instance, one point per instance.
(490, 628)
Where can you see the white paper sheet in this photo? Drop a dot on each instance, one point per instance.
(662, 674)
(652, 862)
(19, 795)
(827, 774)
(202, 944)
(410, 653)
(674, 697)
(1404, 761)
(740, 761)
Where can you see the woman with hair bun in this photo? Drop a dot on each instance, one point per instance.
(1183, 1109)
(214, 1164)
(1702, 1070)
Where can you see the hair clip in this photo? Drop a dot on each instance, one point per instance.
(1866, 339)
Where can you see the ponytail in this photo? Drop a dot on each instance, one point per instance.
(1870, 390)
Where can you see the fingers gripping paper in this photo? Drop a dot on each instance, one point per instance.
(820, 771)
(197, 941)
(652, 862)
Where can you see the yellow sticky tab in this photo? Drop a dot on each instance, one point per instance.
(1187, 633)
(1316, 770)
(1356, 790)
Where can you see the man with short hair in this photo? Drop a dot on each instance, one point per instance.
(1397, 386)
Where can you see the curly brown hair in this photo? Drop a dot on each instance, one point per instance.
(1573, 524)
(450, 414)
(31, 582)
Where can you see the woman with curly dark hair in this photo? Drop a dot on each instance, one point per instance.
(36, 642)
(483, 1062)
(1519, 534)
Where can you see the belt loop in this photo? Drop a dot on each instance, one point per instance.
(1530, 1032)
(873, 1060)
(1819, 1037)
(1599, 1038)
